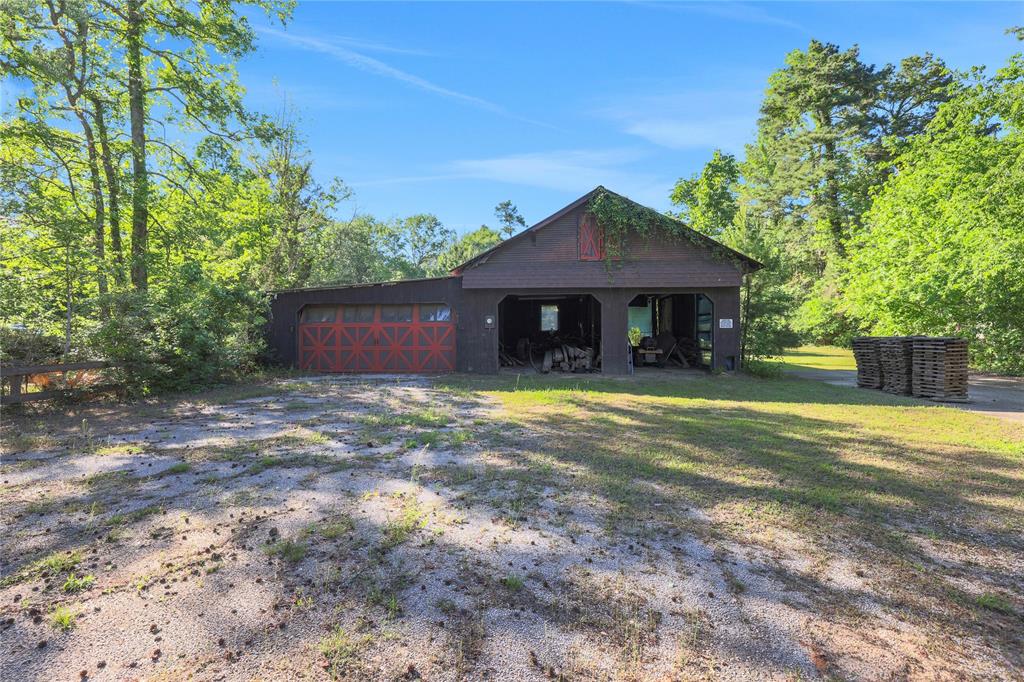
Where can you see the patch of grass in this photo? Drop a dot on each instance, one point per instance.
(429, 418)
(133, 516)
(119, 449)
(425, 439)
(994, 602)
(332, 528)
(23, 442)
(58, 562)
(63, 619)
(398, 529)
(290, 551)
(820, 357)
(341, 650)
(23, 465)
(459, 438)
(264, 463)
(175, 469)
(298, 405)
(42, 507)
(75, 584)
(513, 582)
(111, 481)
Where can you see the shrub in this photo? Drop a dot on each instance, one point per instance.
(190, 333)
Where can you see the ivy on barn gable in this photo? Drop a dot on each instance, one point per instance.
(618, 217)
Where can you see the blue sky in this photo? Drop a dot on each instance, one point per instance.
(451, 108)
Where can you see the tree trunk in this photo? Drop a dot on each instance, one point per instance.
(113, 191)
(834, 213)
(97, 198)
(137, 116)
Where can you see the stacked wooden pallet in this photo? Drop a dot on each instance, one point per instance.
(940, 368)
(896, 355)
(869, 364)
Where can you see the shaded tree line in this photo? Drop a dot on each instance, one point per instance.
(885, 200)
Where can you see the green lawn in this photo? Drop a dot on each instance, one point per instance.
(905, 489)
(820, 357)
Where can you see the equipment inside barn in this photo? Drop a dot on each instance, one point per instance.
(561, 333)
(553, 332)
(675, 330)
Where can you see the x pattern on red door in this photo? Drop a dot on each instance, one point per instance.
(377, 346)
(591, 239)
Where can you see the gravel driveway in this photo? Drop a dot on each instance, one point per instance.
(371, 529)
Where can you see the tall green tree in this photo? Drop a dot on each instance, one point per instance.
(469, 245)
(509, 219)
(813, 113)
(708, 201)
(943, 247)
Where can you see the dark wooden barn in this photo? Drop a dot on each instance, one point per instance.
(550, 284)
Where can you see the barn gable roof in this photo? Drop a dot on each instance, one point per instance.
(697, 237)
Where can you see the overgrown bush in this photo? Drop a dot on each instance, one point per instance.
(190, 333)
(19, 346)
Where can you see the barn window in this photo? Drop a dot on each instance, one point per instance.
(396, 313)
(358, 313)
(318, 313)
(435, 312)
(549, 318)
(591, 239)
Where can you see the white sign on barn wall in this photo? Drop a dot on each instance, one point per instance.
(725, 323)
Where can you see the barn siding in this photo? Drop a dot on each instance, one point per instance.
(548, 257)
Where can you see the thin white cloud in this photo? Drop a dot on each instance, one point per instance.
(688, 119)
(374, 66)
(362, 62)
(721, 133)
(733, 11)
(573, 171)
(569, 171)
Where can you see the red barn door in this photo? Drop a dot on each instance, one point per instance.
(377, 338)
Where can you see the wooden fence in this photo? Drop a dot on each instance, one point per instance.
(16, 380)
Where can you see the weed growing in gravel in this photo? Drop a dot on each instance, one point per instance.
(994, 602)
(63, 619)
(20, 442)
(75, 584)
(340, 649)
(133, 516)
(290, 551)
(458, 439)
(120, 449)
(179, 468)
(58, 562)
(428, 418)
(410, 519)
(512, 582)
(425, 439)
(303, 601)
(332, 529)
(263, 463)
(111, 481)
